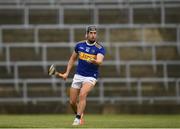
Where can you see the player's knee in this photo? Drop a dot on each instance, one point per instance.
(72, 102)
(82, 95)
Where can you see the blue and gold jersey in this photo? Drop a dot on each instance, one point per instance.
(86, 51)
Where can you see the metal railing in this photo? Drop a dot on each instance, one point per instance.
(84, 2)
(101, 98)
(118, 62)
(71, 29)
(96, 5)
(129, 9)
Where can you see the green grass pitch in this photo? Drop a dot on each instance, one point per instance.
(91, 121)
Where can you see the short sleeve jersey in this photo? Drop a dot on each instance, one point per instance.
(86, 51)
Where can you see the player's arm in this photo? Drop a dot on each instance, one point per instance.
(71, 62)
(98, 60)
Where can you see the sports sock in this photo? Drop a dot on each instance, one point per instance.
(78, 116)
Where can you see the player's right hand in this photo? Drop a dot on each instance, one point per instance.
(63, 76)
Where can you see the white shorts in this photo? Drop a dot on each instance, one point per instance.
(78, 80)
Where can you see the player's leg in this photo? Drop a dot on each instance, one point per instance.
(74, 93)
(86, 88)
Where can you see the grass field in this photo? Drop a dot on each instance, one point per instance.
(91, 121)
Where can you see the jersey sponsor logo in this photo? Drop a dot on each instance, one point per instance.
(86, 56)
